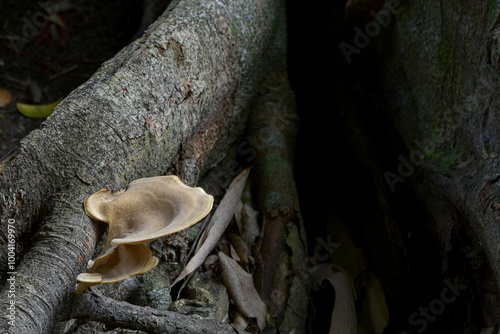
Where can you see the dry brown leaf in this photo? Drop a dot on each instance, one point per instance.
(5, 97)
(247, 222)
(220, 219)
(344, 312)
(239, 320)
(240, 286)
(375, 306)
(240, 247)
(210, 261)
(343, 319)
(233, 253)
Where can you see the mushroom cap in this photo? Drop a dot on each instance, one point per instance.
(148, 209)
(89, 278)
(121, 263)
(154, 262)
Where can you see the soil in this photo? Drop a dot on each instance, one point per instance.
(53, 56)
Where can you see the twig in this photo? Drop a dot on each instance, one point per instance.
(42, 62)
(63, 72)
(14, 80)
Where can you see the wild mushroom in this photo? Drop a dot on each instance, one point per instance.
(147, 210)
(126, 261)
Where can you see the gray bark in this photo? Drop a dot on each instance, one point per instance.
(91, 306)
(178, 94)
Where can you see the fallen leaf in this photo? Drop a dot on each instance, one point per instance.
(240, 248)
(210, 261)
(37, 110)
(240, 286)
(5, 97)
(225, 247)
(233, 253)
(375, 306)
(343, 319)
(247, 221)
(220, 219)
(239, 320)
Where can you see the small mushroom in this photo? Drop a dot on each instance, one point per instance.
(86, 280)
(125, 261)
(147, 210)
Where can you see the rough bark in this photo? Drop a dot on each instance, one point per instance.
(436, 69)
(91, 306)
(179, 93)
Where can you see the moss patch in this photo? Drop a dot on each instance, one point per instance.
(492, 6)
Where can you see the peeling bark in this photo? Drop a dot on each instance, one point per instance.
(273, 127)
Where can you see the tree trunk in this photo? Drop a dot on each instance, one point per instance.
(180, 93)
(433, 73)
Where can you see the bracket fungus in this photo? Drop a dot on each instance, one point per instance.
(125, 261)
(148, 209)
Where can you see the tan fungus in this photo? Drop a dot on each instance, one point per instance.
(147, 210)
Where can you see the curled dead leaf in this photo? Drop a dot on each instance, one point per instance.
(343, 319)
(240, 248)
(247, 221)
(240, 286)
(375, 306)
